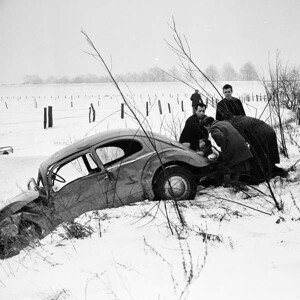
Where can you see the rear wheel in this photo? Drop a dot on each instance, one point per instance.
(175, 182)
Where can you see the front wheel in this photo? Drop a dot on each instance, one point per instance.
(175, 183)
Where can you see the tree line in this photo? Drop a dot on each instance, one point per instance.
(227, 72)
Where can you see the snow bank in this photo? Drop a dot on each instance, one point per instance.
(228, 251)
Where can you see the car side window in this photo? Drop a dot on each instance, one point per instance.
(116, 151)
(77, 168)
(109, 154)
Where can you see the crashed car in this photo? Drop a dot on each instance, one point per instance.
(6, 150)
(102, 171)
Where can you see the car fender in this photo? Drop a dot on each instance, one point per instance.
(166, 156)
(43, 222)
(17, 203)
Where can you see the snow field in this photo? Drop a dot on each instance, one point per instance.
(247, 254)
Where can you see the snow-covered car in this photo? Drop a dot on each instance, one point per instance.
(6, 150)
(102, 171)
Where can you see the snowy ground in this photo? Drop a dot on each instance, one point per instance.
(227, 251)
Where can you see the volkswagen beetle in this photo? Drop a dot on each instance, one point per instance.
(106, 170)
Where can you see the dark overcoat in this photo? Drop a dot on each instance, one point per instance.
(196, 99)
(193, 131)
(227, 108)
(233, 146)
(262, 139)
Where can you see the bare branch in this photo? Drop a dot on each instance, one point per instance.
(152, 142)
(184, 52)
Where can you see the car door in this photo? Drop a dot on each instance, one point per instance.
(123, 162)
(88, 187)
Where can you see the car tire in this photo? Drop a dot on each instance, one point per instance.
(183, 182)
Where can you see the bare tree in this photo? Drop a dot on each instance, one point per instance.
(212, 73)
(289, 84)
(248, 72)
(63, 79)
(273, 90)
(50, 79)
(191, 72)
(228, 72)
(32, 79)
(155, 74)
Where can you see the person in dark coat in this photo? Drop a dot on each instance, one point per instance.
(263, 144)
(234, 150)
(196, 99)
(229, 106)
(92, 113)
(193, 130)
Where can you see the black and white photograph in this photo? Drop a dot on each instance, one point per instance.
(149, 149)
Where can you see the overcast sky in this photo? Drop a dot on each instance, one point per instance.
(43, 36)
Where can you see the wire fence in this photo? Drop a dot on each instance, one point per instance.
(77, 107)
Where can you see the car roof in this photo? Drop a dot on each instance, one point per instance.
(89, 141)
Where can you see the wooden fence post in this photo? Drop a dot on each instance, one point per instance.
(159, 106)
(45, 117)
(50, 117)
(169, 107)
(122, 110)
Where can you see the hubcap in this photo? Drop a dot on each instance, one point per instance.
(178, 185)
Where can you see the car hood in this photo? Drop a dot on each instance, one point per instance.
(16, 203)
